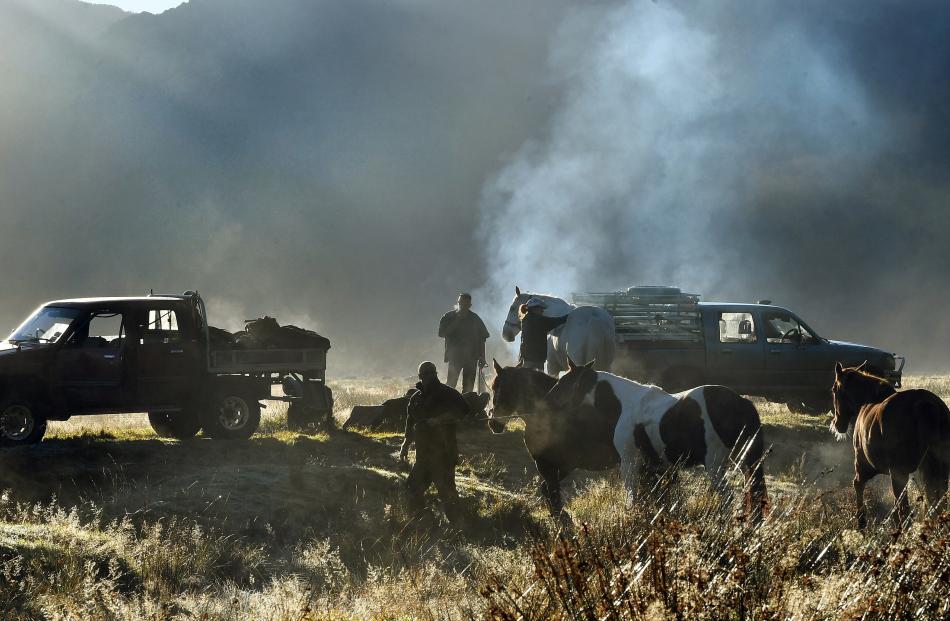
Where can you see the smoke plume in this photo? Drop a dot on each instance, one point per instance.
(351, 165)
(786, 151)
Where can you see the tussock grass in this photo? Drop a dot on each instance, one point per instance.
(104, 521)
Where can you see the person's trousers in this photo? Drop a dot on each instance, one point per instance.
(468, 371)
(534, 366)
(424, 473)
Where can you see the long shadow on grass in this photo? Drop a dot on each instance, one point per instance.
(256, 483)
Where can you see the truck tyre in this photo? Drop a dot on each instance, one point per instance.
(177, 425)
(20, 424)
(231, 416)
(809, 404)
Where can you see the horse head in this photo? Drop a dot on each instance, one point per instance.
(573, 387)
(516, 391)
(504, 398)
(512, 323)
(853, 388)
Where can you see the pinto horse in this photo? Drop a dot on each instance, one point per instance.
(558, 442)
(588, 334)
(895, 433)
(709, 425)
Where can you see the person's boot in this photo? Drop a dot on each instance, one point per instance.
(455, 514)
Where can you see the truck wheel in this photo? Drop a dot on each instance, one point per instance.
(19, 424)
(809, 404)
(232, 416)
(177, 425)
(796, 407)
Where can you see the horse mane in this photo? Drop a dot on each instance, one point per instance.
(600, 375)
(866, 378)
(871, 376)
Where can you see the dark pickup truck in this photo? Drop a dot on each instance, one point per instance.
(143, 354)
(670, 338)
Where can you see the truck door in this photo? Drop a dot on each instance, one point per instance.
(794, 357)
(90, 368)
(165, 363)
(734, 349)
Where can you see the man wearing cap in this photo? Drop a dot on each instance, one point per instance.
(465, 335)
(430, 422)
(534, 333)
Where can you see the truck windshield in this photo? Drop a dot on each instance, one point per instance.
(784, 328)
(46, 325)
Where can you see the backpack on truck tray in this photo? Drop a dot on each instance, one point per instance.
(266, 333)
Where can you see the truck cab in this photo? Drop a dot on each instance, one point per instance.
(768, 350)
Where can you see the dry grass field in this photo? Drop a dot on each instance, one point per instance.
(105, 521)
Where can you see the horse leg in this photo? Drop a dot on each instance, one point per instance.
(629, 470)
(716, 471)
(934, 474)
(551, 486)
(554, 365)
(863, 472)
(899, 489)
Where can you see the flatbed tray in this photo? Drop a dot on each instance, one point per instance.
(650, 316)
(268, 360)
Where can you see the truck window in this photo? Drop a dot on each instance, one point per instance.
(102, 330)
(162, 327)
(736, 328)
(783, 328)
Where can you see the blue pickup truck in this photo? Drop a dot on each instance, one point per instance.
(670, 338)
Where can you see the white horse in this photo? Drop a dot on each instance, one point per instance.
(588, 335)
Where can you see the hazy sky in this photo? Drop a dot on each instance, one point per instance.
(137, 6)
(351, 165)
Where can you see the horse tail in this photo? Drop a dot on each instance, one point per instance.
(575, 337)
(609, 337)
(752, 445)
(601, 345)
(934, 430)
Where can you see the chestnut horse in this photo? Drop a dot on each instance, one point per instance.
(558, 441)
(895, 433)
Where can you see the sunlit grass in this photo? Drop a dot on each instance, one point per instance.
(313, 526)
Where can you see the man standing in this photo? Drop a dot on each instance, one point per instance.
(430, 422)
(534, 333)
(465, 335)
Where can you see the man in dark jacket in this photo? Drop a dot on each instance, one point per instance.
(430, 422)
(534, 333)
(465, 335)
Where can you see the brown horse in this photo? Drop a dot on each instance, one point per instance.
(558, 441)
(895, 433)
